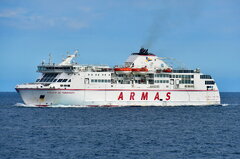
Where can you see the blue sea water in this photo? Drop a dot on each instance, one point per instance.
(210, 132)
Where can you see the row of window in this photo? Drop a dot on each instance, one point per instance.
(62, 80)
(189, 86)
(98, 74)
(43, 68)
(137, 75)
(181, 76)
(173, 76)
(61, 68)
(123, 82)
(209, 82)
(50, 75)
(183, 71)
(53, 80)
(205, 77)
(121, 75)
(100, 80)
(162, 75)
(45, 80)
(186, 82)
(161, 81)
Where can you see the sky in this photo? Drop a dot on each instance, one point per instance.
(198, 34)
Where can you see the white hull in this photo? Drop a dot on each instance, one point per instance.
(100, 85)
(120, 97)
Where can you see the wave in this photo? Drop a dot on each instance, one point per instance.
(23, 105)
(68, 106)
(224, 105)
(52, 106)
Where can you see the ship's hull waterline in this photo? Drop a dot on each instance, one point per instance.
(119, 97)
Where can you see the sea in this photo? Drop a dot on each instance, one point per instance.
(62, 132)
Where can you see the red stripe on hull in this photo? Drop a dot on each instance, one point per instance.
(42, 105)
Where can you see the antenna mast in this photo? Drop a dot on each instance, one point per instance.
(50, 58)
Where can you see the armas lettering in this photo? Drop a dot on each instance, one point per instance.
(144, 96)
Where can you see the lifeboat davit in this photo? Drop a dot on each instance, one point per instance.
(143, 70)
(125, 70)
(167, 70)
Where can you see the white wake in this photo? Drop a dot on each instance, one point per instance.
(52, 106)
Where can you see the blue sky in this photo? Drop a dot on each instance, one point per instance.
(201, 34)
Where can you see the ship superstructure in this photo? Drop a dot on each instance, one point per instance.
(143, 80)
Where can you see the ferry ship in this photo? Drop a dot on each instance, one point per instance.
(144, 80)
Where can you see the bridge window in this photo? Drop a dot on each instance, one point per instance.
(64, 80)
(48, 77)
(60, 80)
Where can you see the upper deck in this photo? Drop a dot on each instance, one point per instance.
(141, 70)
(67, 66)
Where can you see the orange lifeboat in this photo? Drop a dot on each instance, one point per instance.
(139, 70)
(167, 70)
(125, 70)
